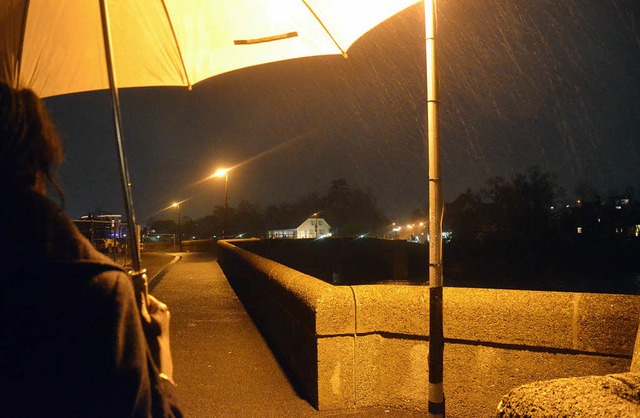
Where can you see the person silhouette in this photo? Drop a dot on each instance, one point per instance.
(74, 341)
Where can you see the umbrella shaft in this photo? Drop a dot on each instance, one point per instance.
(117, 117)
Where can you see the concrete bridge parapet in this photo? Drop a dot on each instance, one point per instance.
(367, 345)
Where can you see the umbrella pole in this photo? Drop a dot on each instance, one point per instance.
(137, 274)
(436, 330)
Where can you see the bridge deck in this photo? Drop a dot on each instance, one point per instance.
(224, 368)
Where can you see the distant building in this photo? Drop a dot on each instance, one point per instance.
(105, 231)
(617, 216)
(101, 226)
(313, 227)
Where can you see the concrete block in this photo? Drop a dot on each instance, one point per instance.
(614, 395)
(542, 319)
(392, 372)
(607, 323)
(635, 361)
(335, 309)
(394, 309)
(336, 373)
(476, 377)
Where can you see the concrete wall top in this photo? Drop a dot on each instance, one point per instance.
(331, 307)
(352, 261)
(599, 323)
(587, 322)
(584, 322)
(395, 309)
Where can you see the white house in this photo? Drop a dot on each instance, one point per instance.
(313, 227)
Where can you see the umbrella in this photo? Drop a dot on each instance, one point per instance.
(59, 47)
(68, 46)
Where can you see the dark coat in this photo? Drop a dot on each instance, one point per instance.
(72, 342)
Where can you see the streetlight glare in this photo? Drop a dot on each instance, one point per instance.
(224, 172)
(177, 205)
(220, 172)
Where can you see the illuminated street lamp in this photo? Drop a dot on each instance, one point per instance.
(177, 205)
(315, 215)
(219, 173)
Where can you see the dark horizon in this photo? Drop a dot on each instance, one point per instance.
(521, 85)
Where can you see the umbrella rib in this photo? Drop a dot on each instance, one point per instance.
(175, 39)
(21, 46)
(265, 39)
(344, 53)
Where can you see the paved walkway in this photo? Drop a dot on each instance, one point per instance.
(223, 367)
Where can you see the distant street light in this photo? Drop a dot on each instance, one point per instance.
(177, 205)
(219, 173)
(316, 216)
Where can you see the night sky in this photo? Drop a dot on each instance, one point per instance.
(547, 83)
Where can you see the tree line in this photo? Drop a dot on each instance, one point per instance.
(349, 210)
(522, 230)
(511, 231)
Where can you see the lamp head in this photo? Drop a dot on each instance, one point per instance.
(221, 172)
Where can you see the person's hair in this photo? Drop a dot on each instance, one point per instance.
(29, 143)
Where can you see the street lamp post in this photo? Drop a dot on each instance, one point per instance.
(219, 173)
(436, 331)
(177, 205)
(316, 216)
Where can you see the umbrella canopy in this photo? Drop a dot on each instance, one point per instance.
(56, 47)
(59, 47)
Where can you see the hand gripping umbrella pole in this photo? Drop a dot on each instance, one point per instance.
(138, 275)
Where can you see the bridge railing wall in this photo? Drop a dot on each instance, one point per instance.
(201, 245)
(367, 345)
